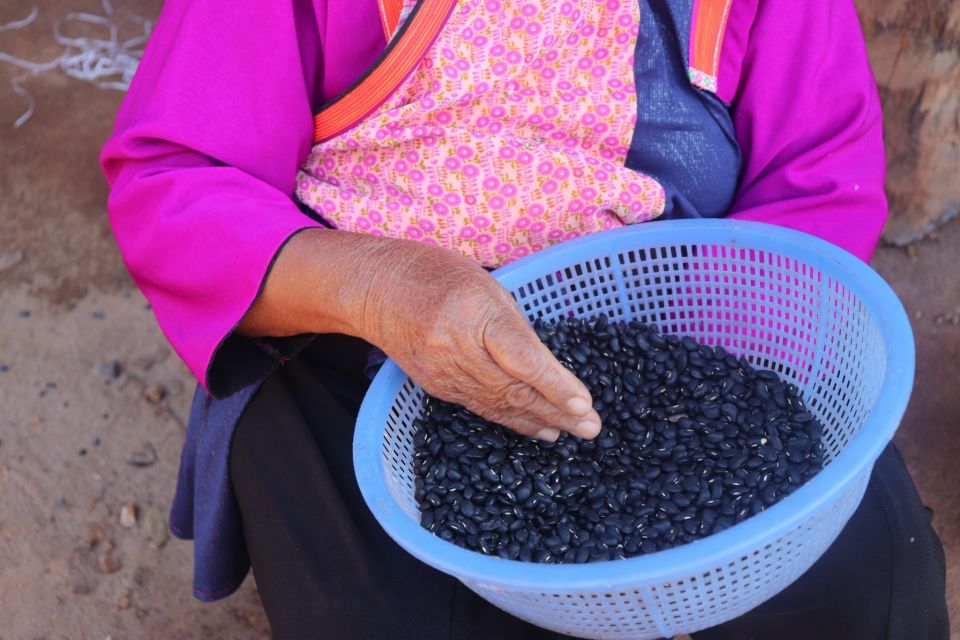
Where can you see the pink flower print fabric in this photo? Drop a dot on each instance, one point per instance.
(510, 136)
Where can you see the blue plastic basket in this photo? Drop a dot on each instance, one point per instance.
(787, 301)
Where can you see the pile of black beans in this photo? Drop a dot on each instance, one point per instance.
(694, 440)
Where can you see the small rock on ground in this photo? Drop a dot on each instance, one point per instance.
(154, 393)
(107, 563)
(10, 259)
(128, 515)
(111, 369)
(91, 536)
(155, 525)
(145, 457)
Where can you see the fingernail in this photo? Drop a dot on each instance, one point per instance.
(588, 430)
(578, 406)
(547, 435)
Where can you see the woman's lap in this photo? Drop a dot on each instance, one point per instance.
(325, 568)
(883, 578)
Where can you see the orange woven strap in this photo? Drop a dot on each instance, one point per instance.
(389, 16)
(403, 54)
(706, 41)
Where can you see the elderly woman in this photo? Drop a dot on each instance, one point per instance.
(277, 249)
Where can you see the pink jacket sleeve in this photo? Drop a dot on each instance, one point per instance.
(202, 166)
(807, 116)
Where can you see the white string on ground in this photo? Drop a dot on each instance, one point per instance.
(108, 63)
(19, 24)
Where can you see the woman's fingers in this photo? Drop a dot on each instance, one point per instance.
(541, 385)
(517, 396)
(530, 427)
(492, 394)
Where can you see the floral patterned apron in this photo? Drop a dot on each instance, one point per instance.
(508, 136)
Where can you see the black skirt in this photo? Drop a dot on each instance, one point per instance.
(325, 568)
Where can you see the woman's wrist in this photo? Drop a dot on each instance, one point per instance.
(322, 281)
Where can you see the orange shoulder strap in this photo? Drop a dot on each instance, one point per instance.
(402, 55)
(390, 16)
(709, 23)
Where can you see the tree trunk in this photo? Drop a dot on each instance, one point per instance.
(915, 53)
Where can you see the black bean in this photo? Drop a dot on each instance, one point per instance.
(580, 355)
(607, 441)
(694, 440)
(681, 500)
(729, 411)
(691, 484)
(453, 475)
(426, 519)
(768, 453)
(524, 490)
(715, 437)
(496, 458)
(573, 487)
(467, 508)
(544, 488)
(651, 472)
(456, 449)
(769, 496)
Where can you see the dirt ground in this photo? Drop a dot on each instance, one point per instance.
(93, 402)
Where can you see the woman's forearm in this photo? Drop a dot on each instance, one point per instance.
(440, 316)
(319, 283)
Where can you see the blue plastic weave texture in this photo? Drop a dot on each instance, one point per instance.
(787, 301)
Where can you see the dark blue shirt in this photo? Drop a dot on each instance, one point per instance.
(683, 138)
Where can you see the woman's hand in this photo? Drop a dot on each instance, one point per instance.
(441, 317)
(460, 335)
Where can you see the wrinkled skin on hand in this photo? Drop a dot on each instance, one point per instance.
(459, 334)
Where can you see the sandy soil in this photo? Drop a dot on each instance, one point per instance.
(92, 401)
(69, 425)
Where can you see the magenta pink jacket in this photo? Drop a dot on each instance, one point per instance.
(207, 144)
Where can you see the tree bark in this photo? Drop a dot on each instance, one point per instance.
(914, 49)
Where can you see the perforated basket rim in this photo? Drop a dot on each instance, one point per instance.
(696, 558)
